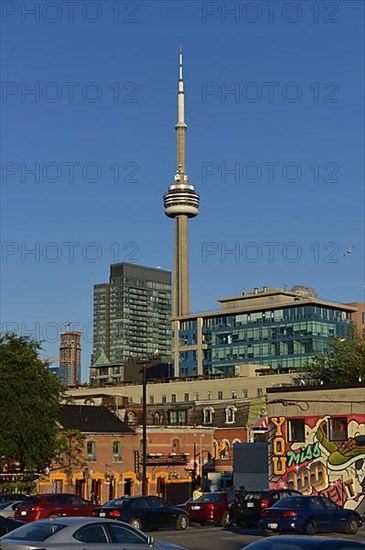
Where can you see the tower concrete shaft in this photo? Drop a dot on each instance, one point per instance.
(181, 202)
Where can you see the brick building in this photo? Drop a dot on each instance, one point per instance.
(317, 441)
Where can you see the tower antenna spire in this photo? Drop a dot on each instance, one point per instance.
(181, 203)
(181, 126)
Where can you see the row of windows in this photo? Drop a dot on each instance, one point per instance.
(336, 429)
(290, 313)
(196, 396)
(180, 417)
(116, 448)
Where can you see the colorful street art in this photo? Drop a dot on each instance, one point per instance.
(331, 464)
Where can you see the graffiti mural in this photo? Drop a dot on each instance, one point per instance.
(323, 456)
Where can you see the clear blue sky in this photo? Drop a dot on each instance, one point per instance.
(298, 73)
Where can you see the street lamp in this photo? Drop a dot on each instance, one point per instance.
(144, 430)
(153, 359)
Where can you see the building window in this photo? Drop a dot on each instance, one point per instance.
(260, 392)
(89, 402)
(157, 418)
(182, 417)
(175, 446)
(117, 450)
(234, 394)
(337, 429)
(186, 397)
(152, 399)
(196, 397)
(244, 393)
(220, 395)
(173, 398)
(210, 395)
(230, 415)
(296, 431)
(164, 399)
(224, 450)
(131, 418)
(173, 417)
(208, 415)
(91, 450)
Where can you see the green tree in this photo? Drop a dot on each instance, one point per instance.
(70, 451)
(30, 397)
(344, 363)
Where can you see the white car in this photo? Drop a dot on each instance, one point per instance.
(73, 533)
(7, 509)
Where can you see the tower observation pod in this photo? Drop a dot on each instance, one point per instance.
(181, 202)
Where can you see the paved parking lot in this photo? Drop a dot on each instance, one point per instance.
(218, 538)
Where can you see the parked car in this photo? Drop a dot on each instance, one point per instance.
(84, 533)
(210, 507)
(247, 509)
(7, 509)
(309, 515)
(8, 524)
(53, 504)
(304, 543)
(144, 512)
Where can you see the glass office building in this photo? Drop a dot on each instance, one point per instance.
(278, 328)
(132, 315)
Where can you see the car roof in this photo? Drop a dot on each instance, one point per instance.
(68, 520)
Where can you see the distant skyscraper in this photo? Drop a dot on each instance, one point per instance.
(132, 315)
(70, 358)
(181, 202)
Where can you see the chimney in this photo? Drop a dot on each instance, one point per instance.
(255, 290)
(264, 288)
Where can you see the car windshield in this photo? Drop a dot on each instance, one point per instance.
(209, 497)
(37, 531)
(290, 502)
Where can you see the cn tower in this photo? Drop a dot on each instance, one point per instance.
(181, 202)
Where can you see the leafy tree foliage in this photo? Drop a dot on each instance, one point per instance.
(30, 398)
(70, 451)
(344, 363)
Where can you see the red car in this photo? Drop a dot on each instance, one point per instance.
(210, 507)
(52, 505)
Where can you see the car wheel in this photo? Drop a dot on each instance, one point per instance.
(352, 525)
(225, 521)
(182, 522)
(136, 523)
(310, 528)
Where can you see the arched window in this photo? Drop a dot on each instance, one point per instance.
(131, 417)
(157, 418)
(215, 449)
(89, 401)
(224, 450)
(175, 445)
(230, 415)
(208, 415)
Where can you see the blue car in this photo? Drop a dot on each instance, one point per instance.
(308, 515)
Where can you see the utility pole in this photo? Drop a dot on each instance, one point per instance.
(144, 430)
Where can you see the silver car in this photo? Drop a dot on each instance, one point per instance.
(72, 533)
(7, 509)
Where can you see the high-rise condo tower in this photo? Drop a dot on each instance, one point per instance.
(181, 202)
